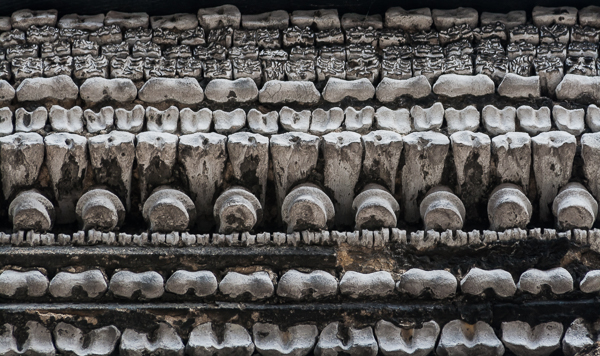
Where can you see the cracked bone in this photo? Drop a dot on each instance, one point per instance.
(571, 121)
(472, 154)
(92, 282)
(578, 336)
(163, 341)
(508, 208)
(415, 282)
(498, 122)
(60, 87)
(427, 119)
(162, 120)
(516, 86)
(204, 341)
(95, 90)
(574, 87)
(444, 19)
(294, 158)
(461, 338)
(292, 120)
(352, 20)
(278, 19)
(66, 160)
(510, 19)
(316, 284)
(30, 210)
(168, 210)
(81, 22)
(203, 156)
(397, 341)
(237, 210)
(307, 207)
(27, 121)
(249, 157)
(342, 154)
(553, 154)
(534, 121)
(266, 124)
(6, 121)
(337, 90)
(389, 89)
(111, 157)
(70, 340)
(297, 340)
(558, 279)
(574, 207)
(466, 119)
(224, 90)
(322, 19)
(220, 16)
(425, 154)
(127, 20)
(359, 341)
(100, 209)
(541, 340)
(228, 122)
(38, 342)
(283, 92)
(174, 22)
(202, 283)
(590, 152)
(442, 210)
(375, 208)
(511, 153)
(34, 283)
(592, 117)
(392, 120)
(367, 285)
(131, 285)
(23, 19)
(409, 20)
(101, 121)
(258, 285)
(382, 157)
(359, 120)
(477, 281)
(66, 120)
(130, 120)
(156, 154)
(548, 16)
(455, 85)
(324, 122)
(22, 155)
(185, 91)
(195, 121)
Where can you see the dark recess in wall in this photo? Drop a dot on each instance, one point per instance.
(162, 7)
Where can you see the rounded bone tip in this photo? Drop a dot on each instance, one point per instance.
(30, 210)
(100, 209)
(168, 210)
(442, 210)
(375, 208)
(508, 207)
(574, 207)
(237, 210)
(307, 207)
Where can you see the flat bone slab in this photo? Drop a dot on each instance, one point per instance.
(388, 90)
(520, 338)
(283, 92)
(338, 89)
(574, 87)
(96, 89)
(516, 86)
(182, 90)
(60, 87)
(240, 90)
(455, 85)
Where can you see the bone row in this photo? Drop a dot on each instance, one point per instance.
(319, 122)
(377, 239)
(455, 338)
(292, 285)
(347, 156)
(187, 91)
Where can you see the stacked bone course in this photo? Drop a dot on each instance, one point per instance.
(298, 183)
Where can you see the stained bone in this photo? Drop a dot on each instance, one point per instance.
(558, 279)
(258, 285)
(460, 338)
(477, 281)
(34, 283)
(98, 122)
(70, 340)
(361, 341)
(163, 341)
(156, 154)
(38, 342)
(307, 207)
(204, 341)
(92, 282)
(143, 285)
(202, 283)
(297, 285)
(297, 340)
(523, 340)
(359, 285)
(441, 284)
(574, 207)
(237, 210)
(508, 207)
(396, 341)
(168, 210)
(30, 210)
(100, 209)
(27, 121)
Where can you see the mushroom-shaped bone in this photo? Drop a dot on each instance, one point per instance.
(237, 209)
(100, 209)
(307, 207)
(375, 208)
(574, 207)
(442, 210)
(169, 210)
(508, 207)
(30, 210)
